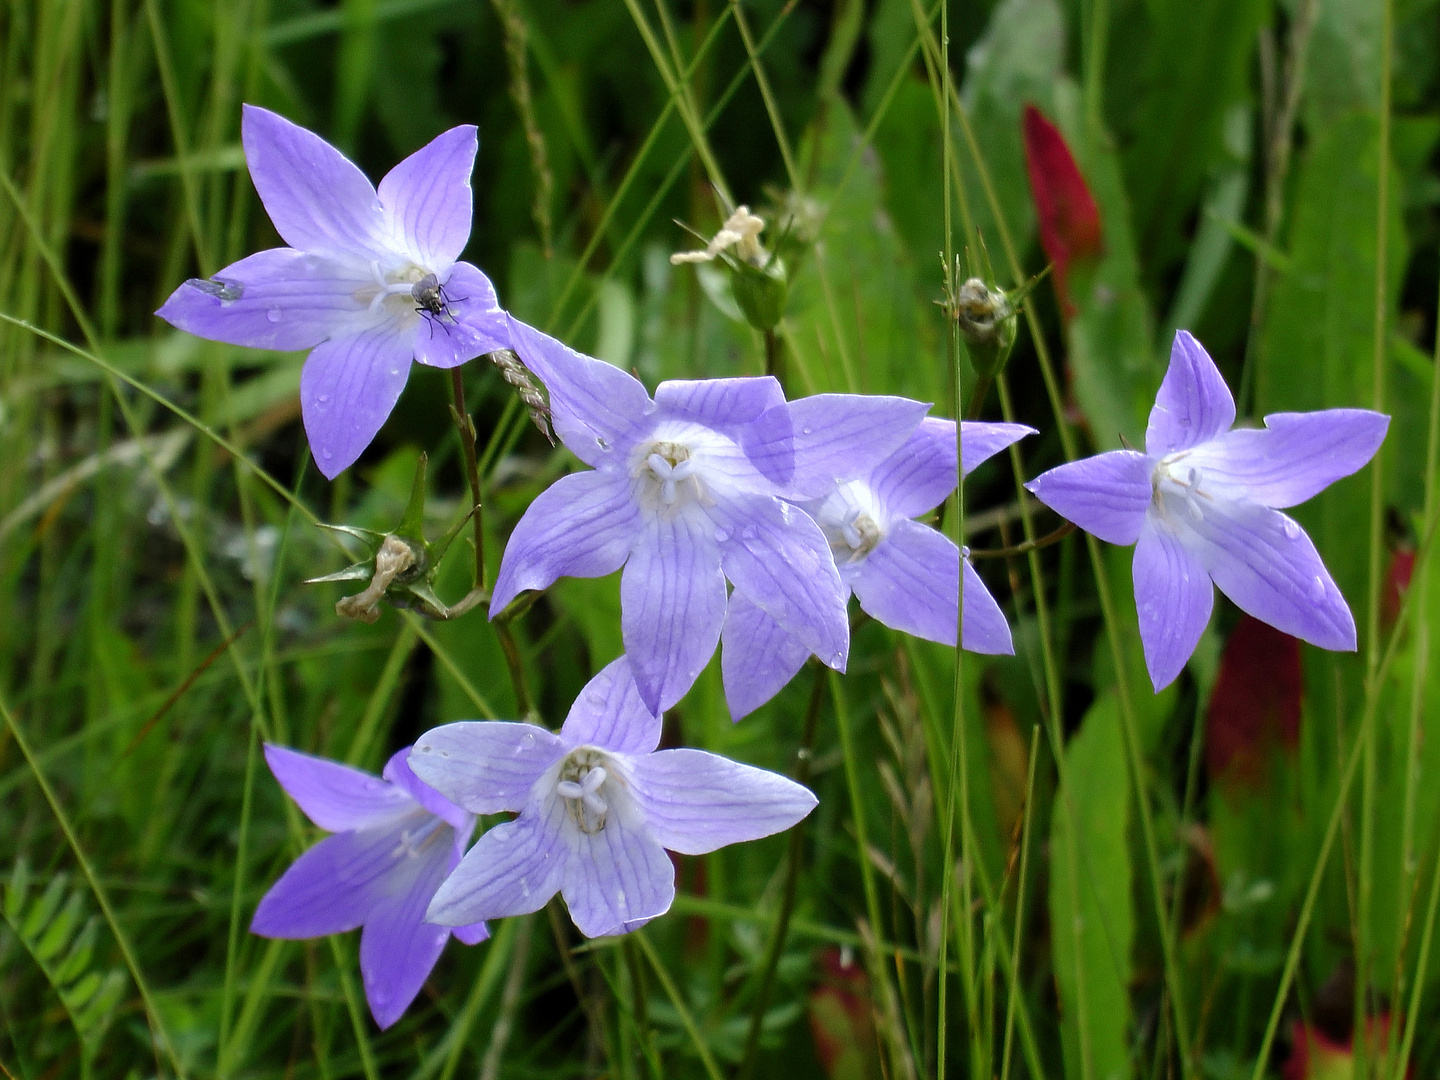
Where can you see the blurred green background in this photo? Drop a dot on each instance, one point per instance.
(1205, 883)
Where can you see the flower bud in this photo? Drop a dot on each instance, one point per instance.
(987, 321)
(758, 278)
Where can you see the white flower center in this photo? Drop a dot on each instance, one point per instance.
(409, 291)
(583, 784)
(1177, 485)
(851, 519)
(416, 838)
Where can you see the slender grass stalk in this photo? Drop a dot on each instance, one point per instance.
(687, 1019)
(1019, 935)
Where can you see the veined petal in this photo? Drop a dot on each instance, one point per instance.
(1264, 562)
(1106, 495)
(757, 657)
(616, 879)
(428, 199)
(285, 299)
(486, 766)
(398, 948)
(1294, 457)
(722, 404)
(1194, 404)
(513, 869)
(336, 884)
(334, 796)
(610, 714)
(398, 772)
(918, 477)
(1173, 597)
(696, 802)
(471, 934)
(911, 582)
(778, 557)
(479, 325)
(840, 437)
(583, 525)
(984, 629)
(981, 440)
(672, 606)
(598, 411)
(348, 387)
(319, 201)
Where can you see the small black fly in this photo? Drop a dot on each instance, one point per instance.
(429, 294)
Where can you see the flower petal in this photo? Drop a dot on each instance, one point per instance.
(1263, 561)
(319, 201)
(616, 879)
(287, 299)
(398, 772)
(428, 199)
(334, 796)
(398, 948)
(984, 629)
(513, 869)
(486, 766)
(722, 404)
(1173, 597)
(757, 657)
(609, 714)
(778, 557)
(672, 606)
(348, 387)
(981, 440)
(1294, 457)
(583, 525)
(1193, 405)
(1106, 495)
(479, 325)
(918, 477)
(598, 411)
(840, 437)
(911, 582)
(696, 802)
(336, 884)
(471, 934)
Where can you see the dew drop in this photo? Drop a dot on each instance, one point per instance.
(273, 314)
(601, 443)
(1292, 530)
(806, 430)
(1317, 587)
(837, 659)
(327, 454)
(721, 535)
(748, 533)
(322, 397)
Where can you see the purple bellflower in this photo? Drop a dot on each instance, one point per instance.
(395, 841)
(905, 574)
(1203, 504)
(687, 491)
(599, 806)
(370, 278)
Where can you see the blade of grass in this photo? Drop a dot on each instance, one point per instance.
(687, 1020)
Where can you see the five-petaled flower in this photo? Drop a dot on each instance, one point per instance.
(1203, 504)
(599, 806)
(905, 574)
(395, 841)
(369, 280)
(687, 491)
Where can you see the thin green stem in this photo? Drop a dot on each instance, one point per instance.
(687, 1019)
(465, 426)
(1019, 935)
(1048, 540)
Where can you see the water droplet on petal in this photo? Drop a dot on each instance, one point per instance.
(721, 535)
(805, 430)
(273, 314)
(748, 533)
(601, 443)
(1317, 588)
(1292, 530)
(327, 454)
(837, 659)
(322, 397)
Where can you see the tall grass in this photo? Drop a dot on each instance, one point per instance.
(1022, 866)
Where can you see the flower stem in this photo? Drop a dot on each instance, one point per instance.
(466, 427)
(1065, 529)
(978, 394)
(514, 661)
(803, 757)
(774, 356)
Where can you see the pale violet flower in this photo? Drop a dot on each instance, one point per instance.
(395, 841)
(1203, 502)
(370, 278)
(905, 574)
(687, 491)
(599, 807)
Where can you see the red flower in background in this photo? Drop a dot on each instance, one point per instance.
(1256, 702)
(1069, 218)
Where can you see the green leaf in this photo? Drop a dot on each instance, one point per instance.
(1098, 920)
